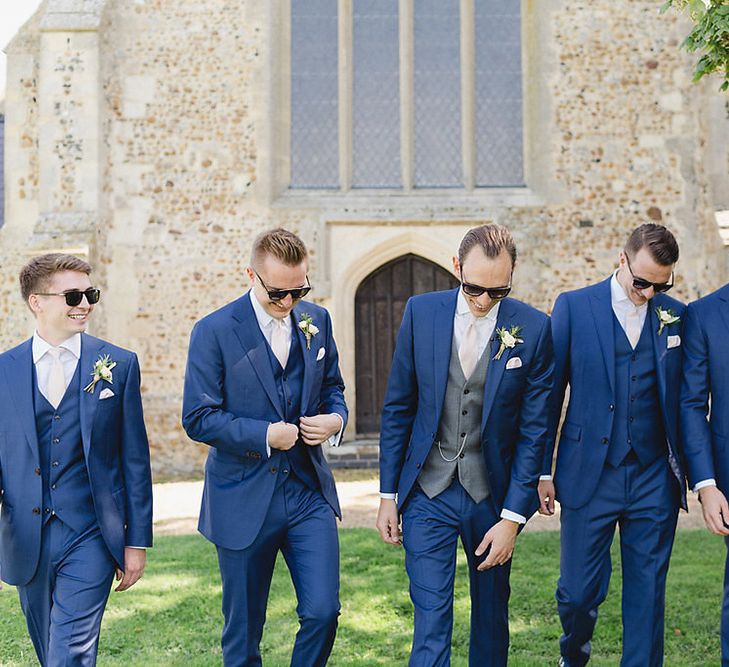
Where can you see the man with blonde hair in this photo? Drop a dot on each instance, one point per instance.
(461, 442)
(75, 480)
(263, 391)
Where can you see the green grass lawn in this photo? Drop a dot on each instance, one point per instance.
(172, 617)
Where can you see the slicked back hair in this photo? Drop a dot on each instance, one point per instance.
(657, 240)
(493, 239)
(280, 243)
(37, 274)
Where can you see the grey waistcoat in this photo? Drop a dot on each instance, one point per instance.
(462, 410)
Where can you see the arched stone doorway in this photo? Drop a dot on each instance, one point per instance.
(379, 304)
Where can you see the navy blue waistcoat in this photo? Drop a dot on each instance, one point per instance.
(638, 424)
(66, 486)
(290, 384)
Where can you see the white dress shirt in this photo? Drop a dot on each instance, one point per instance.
(70, 354)
(266, 324)
(622, 305)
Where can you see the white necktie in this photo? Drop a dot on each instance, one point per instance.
(468, 351)
(280, 342)
(632, 327)
(57, 379)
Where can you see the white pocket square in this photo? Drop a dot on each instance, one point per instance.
(673, 341)
(320, 354)
(106, 393)
(514, 362)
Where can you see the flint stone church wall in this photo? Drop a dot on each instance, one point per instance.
(139, 134)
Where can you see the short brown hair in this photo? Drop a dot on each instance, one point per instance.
(491, 238)
(281, 244)
(657, 240)
(37, 274)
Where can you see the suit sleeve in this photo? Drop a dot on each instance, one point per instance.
(533, 425)
(204, 417)
(561, 343)
(135, 462)
(400, 406)
(695, 388)
(332, 386)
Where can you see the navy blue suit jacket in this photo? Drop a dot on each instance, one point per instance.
(706, 372)
(514, 419)
(115, 447)
(229, 401)
(584, 354)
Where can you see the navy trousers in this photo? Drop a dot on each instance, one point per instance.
(302, 525)
(64, 601)
(431, 528)
(644, 504)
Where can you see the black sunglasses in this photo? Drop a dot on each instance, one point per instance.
(495, 293)
(641, 284)
(279, 294)
(74, 296)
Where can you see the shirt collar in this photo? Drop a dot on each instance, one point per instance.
(463, 309)
(40, 346)
(618, 295)
(264, 319)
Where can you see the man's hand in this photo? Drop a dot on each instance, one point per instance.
(545, 489)
(388, 522)
(319, 428)
(715, 509)
(501, 538)
(134, 560)
(282, 435)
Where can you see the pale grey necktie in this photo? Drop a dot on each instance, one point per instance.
(632, 327)
(468, 351)
(280, 342)
(57, 378)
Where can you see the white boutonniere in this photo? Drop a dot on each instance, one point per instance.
(666, 317)
(509, 339)
(102, 371)
(306, 324)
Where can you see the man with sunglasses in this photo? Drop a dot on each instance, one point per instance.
(461, 444)
(75, 479)
(263, 390)
(618, 346)
(704, 421)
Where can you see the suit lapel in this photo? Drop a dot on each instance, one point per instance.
(724, 296)
(602, 312)
(91, 350)
(298, 337)
(254, 346)
(443, 320)
(496, 367)
(660, 347)
(19, 377)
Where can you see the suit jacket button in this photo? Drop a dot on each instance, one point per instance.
(36, 510)
(37, 471)
(274, 470)
(611, 408)
(604, 441)
(48, 511)
(417, 465)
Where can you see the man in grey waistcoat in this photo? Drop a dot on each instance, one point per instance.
(463, 429)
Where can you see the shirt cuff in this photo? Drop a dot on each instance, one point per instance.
(131, 546)
(336, 439)
(268, 448)
(704, 483)
(512, 516)
(545, 478)
(388, 496)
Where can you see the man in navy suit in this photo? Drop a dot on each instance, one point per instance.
(263, 390)
(618, 346)
(75, 480)
(461, 444)
(706, 443)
